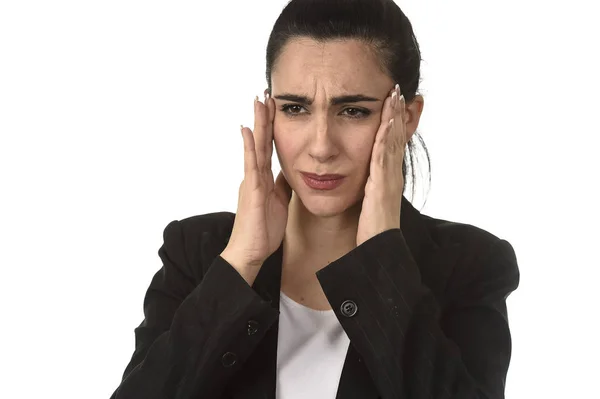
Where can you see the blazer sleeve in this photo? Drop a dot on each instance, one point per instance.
(410, 348)
(195, 334)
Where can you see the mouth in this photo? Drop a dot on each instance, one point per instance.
(322, 182)
(324, 177)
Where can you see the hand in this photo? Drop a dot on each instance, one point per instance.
(262, 212)
(383, 191)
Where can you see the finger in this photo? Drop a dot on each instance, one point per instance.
(260, 130)
(270, 132)
(387, 112)
(379, 143)
(400, 128)
(379, 155)
(396, 111)
(397, 136)
(250, 166)
(386, 115)
(393, 104)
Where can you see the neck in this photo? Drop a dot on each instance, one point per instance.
(319, 238)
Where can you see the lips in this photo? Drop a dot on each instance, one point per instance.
(322, 177)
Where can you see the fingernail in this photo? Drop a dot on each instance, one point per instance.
(397, 88)
(402, 101)
(268, 96)
(391, 122)
(394, 97)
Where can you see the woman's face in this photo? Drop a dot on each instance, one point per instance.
(322, 137)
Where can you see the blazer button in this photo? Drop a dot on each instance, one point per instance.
(348, 308)
(252, 327)
(229, 359)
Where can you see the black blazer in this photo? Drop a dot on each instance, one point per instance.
(424, 307)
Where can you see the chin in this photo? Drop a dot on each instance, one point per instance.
(327, 206)
(326, 213)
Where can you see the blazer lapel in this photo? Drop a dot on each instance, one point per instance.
(355, 381)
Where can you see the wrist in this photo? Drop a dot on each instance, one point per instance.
(246, 270)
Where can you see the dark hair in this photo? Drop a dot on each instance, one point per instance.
(379, 23)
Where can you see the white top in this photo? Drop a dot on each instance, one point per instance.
(311, 350)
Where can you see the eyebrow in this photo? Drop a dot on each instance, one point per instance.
(304, 100)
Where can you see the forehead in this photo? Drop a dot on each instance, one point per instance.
(344, 64)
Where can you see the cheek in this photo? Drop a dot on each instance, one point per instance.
(362, 150)
(357, 146)
(283, 145)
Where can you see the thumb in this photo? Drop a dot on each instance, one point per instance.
(282, 187)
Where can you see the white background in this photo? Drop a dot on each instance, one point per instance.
(117, 117)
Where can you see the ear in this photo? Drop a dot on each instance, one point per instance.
(414, 109)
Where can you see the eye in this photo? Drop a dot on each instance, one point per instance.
(293, 110)
(287, 107)
(358, 113)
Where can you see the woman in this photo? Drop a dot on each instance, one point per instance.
(328, 287)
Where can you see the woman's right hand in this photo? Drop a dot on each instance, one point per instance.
(262, 211)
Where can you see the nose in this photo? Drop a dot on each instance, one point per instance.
(323, 140)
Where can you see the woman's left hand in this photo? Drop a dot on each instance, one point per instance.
(383, 191)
